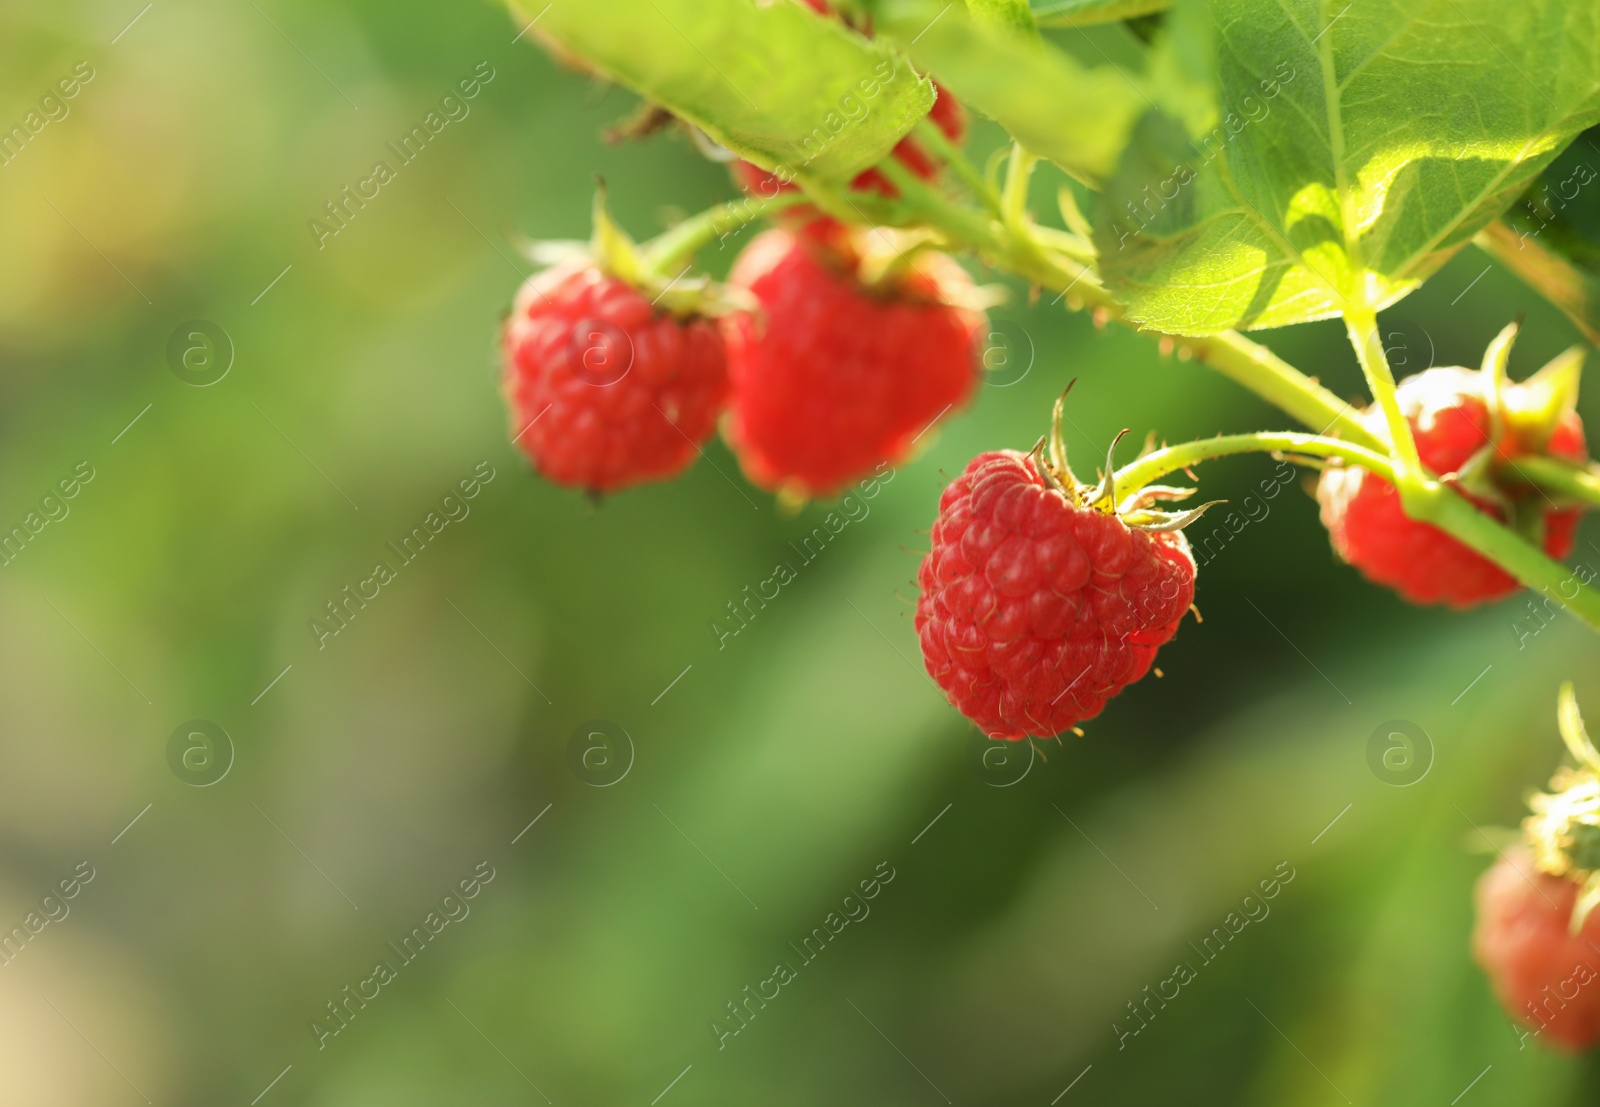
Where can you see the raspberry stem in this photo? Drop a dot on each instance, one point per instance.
(939, 145)
(1362, 327)
(1258, 369)
(1552, 475)
(1172, 459)
(1231, 354)
(1014, 200)
(670, 251)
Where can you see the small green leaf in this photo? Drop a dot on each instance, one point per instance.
(1076, 116)
(778, 84)
(1358, 144)
(1011, 15)
(1087, 13)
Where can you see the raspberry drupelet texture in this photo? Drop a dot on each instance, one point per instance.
(1450, 418)
(605, 389)
(1545, 976)
(833, 377)
(1034, 610)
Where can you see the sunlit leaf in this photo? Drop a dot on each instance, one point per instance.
(1085, 13)
(1078, 117)
(778, 84)
(1358, 144)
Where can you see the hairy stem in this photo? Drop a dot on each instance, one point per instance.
(1173, 459)
(1362, 327)
(1580, 483)
(672, 249)
(1457, 517)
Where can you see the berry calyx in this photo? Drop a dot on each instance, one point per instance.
(613, 376)
(1467, 426)
(848, 361)
(1042, 598)
(1537, 935)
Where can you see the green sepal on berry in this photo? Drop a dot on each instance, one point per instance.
(1563, 832)
(658, 269)
(1137, 510)
(1522, 419)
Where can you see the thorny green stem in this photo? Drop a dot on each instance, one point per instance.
(1424, 498)
(671, 250)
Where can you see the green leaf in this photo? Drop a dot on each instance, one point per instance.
(1358, 144)
(1087, 13)
(1076, 116)
(1551, 237)
(1543, 268)
(779, 85)
(1012, 15)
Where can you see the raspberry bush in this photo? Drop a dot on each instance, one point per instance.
(1269, 165)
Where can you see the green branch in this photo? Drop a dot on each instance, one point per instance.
(1175, 459)
(1231, 354)
(672, 249)
(1362, 327)
(1578, 483)
(1424, 498)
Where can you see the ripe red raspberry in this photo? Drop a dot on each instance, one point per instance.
(1037, 608)
(1449, 413)
(1545, 976)
(606, 389)
(833, 377)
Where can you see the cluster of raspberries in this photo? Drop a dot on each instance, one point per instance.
(1041, 597)
(1038, 602)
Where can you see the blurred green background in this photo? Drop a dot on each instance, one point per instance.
(1030, 903)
